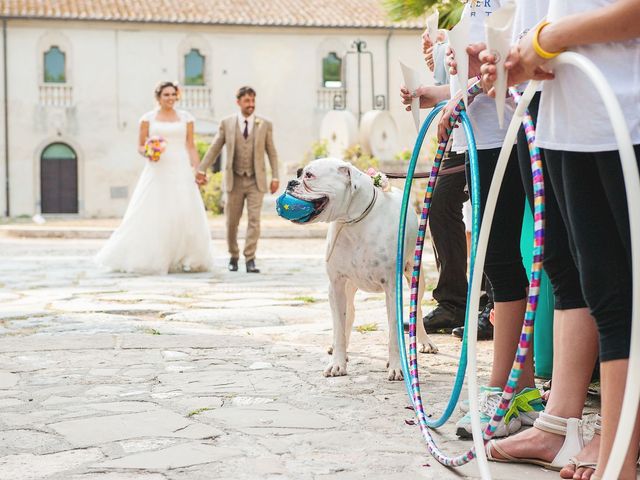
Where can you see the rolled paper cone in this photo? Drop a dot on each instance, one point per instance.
(412, 82)
(458, 41)
(498, 28)
(432, 25)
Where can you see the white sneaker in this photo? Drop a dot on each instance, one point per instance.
(489, 398)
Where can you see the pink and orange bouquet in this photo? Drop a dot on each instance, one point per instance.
(154, 147)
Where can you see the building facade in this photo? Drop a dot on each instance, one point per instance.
(76, 87)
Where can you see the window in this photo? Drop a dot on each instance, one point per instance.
(332, 71)
(194, 68)
(58, 151)
(54, 66)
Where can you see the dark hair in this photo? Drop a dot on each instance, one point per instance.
(245, 91)
(162, 85)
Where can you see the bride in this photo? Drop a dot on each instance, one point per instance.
(165, 227)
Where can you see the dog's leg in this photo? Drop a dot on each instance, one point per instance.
(394, 368)
(338, 302)
(425, 344)
(351, 290)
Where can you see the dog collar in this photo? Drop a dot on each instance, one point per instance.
(366, 211)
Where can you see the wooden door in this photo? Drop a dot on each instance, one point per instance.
(59, 180)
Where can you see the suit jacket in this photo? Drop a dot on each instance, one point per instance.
(263, 142)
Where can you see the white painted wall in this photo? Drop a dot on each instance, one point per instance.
(113, 69)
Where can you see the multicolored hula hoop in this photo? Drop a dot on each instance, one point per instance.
(413, 386)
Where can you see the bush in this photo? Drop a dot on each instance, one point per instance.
(359, 159)
(403, 155)
(212, 194)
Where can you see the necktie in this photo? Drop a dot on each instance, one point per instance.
(245, 134)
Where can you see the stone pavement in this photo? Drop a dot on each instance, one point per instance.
(109, 376)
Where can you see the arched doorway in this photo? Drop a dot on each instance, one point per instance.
(59, 179)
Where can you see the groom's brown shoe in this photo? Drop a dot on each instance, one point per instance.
(251, 267)
(233, 264)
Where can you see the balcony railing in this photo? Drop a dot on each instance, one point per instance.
(331, 98)
(196, 98)
(56, 95)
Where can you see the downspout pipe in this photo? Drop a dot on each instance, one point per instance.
(6, 117)
(388, 99)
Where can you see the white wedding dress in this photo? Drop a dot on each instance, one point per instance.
(165, 227)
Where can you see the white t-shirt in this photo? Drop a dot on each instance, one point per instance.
(528, 14)
(482, 111)
(572, 116)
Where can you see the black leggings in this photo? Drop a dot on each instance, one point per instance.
(558, 262)
(592, 200)
(503, 265)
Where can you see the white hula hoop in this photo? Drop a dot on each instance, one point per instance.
(632, 186)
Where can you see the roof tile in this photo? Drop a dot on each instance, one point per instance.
(299, 13)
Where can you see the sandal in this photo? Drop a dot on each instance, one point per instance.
(570, 428)
(597, 430)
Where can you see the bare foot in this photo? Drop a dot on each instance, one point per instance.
(531, 443)
(588, 454)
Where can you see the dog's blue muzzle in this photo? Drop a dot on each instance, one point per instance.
(294, 209)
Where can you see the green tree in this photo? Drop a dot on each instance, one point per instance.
(450, 10)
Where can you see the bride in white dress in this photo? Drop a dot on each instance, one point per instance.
(165, 227)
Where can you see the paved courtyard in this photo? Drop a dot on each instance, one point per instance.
(203, 376)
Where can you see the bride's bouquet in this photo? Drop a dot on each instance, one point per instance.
(154, 147)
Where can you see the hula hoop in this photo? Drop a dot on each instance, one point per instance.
(455, 395)
(632, 185)
(527, 331)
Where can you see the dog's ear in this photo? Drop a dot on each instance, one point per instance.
(349, 172)
(299, 172)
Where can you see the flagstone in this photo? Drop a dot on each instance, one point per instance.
(184, 455)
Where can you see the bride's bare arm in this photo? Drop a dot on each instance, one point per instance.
(142, 138)
(191, 146)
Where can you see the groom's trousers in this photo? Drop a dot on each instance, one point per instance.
(244, 189)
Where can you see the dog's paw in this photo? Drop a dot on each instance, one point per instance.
(429, 347)
(336, 369)
(395, 374)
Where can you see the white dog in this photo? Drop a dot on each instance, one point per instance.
(361, 249)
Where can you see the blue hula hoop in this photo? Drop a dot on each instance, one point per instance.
(475, 201)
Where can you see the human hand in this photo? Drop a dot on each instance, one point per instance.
(522, 64)
(201, 178)
(428, 96)
(444, 124)
(275, 183)
(473, 50)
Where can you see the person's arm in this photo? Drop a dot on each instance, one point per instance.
(440, 71)
(273, 159)
(211, 155)
(616, 22)
(142, 136)
(191, 146)
(430, 96)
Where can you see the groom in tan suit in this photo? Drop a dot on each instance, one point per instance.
(247, 137)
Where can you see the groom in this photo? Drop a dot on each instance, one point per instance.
(247, 138)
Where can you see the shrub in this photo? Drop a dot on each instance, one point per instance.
(211, 192)
(359, 159)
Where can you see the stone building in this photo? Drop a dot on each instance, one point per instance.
(77, 76)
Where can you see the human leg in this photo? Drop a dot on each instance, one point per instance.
(254, 208)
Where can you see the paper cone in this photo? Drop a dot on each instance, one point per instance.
(458, 41)
(412, 82)
(499, 28)
(432, 25)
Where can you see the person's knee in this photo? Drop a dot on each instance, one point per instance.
(508, 280)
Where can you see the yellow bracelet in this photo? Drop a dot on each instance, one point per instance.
(536, 44)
